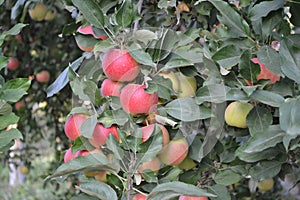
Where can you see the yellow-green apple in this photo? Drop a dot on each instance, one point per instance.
(118, 65)
(147, 131)
(187, 164)
(264, 74)
(265, 185)
(111, 88)
(38, 12)
(24, 170)
(135, 100)
(101, 176)
(88, 30)
(187, 86)
(153, 165)
(20, 105)
(174, 79)
(174, 152)
(101, 133)
(182, 7)
(50, 15)
(13, 63)
(236, 114)
(43, 76)
(72, 125)
(182, 197)
(139, 197)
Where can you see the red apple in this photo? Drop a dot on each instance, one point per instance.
(87, 30)
(148, 130)
(72, 125)
(118, 65)
(38, 12)
(139, 197)
(101, 133)
(135, 100)
(43, 76)
(182, 197)
(174, 152)
(20, 105)
(13, 63)
(69, 156)
(111, 88)
(101, 176)
(153, 165)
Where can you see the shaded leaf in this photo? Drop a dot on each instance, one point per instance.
(267, 97)
(228, 56)
(262, 9)
(270, 58)
(289, 116)
(7, 136)
(265, 169)
(258, 120)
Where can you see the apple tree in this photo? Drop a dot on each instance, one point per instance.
(182, 98)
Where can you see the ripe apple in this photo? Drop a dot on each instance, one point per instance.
(264, 74)
(111, 88)
(182, 7)
(38, 12)
(153, 165)
(187, 164)
(174, 152)
(236, 114)
(20, 105)
(87, 30)
(265, 185)
(135, 100)
(72, 125)
(139, 197)
(50, 15)
(182, 197)
(147, 131)
(43, 76)
(118, 65)
(69, 155)
(174, 79)
(101, 133)
(101, 176)
(24, 170)
(13, 63)
(188, 86)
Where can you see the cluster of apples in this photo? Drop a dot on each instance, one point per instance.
(39, 12)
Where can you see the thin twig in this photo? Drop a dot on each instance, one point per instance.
(136, 23)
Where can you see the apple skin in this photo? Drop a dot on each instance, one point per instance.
(153, 165)
(50, 15)
(24, 170)
(266, 185)
(38, 12)
(139, 197)
(69, 156)
(20, 105)
(87, 30)
(174, 79)
(72, 125)
(43, 76)
(13, 63)
(148, 130)
(187, 164)
(135, 100)
(111, 88)
(236, 114)
(101, 176)
(265, 73)
(174, 152)
(101, 133)
(118, 65)
(182, 197)
(188, 86)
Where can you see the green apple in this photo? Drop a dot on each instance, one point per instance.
(174, 79)
(187, 164)
(188, 86)
(265, 185)
(236, 114)
(38, 12)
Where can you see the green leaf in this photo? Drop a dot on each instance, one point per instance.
(141, 56)
(7, 136)
(212, 93)
(63, 78)
(294, 10)
(226, 177)
(88, 126)
(16, 29)
(290, 62)
(114, 146)
(124, 15)
(111, 117)
(228, 56)
(6, 120)
(265, 169)
(14, 89)
(248, 69)
(270, 58)
(231, 18)
(94, 161)
(83, 196)
(166, 191)
(289, 116)
(5, 108)
(85, 40)
(85, 89)
(262, 9)
(267, 97)
(186, 109)
(3, 60)
(98, 189)
(176, 62)
(221, 192)
(263, 140)
(91, 11)
(164, 87)
(164, 4)
(103, 46)
(266, 154)
(144, 36)
(258, 120)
